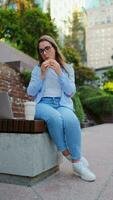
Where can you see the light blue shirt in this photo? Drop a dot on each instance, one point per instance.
(54, 89)
(36, 86)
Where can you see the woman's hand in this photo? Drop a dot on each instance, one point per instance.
(55, 66)
(51, 63)
(44, 67)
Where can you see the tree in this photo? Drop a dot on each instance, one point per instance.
(24, 30)
(74, 51)
(76, 38)
(108, 75)
(34, 23)
(71, 55)
(9, 26)
(84, 75)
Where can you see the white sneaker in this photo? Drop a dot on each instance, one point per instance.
(83, 171)
(83, 160)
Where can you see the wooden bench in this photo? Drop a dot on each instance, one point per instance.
(22, 126)
(27, 153)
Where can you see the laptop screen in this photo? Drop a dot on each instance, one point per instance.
(5, 106)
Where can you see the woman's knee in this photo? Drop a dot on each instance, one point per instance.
(71, 121)
(70, 118)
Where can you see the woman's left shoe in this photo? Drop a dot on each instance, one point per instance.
(79, 169)
(83, 160)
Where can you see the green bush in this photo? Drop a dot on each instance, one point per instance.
(108, 75)
(100, 105)
(25, 29)
(78, 108)
(26, 75)
(84, 75)
(71, 55)
(97, 103)
(88, 91)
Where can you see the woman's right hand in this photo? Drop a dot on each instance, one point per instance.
(44, 67)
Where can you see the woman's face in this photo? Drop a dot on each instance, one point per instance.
(46, 50)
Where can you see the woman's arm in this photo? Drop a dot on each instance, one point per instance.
(67, 81)
(36, 82)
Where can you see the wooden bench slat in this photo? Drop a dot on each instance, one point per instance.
(22, 126)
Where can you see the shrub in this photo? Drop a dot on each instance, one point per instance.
(101, 107)
(100, 104)
(84, 75)
(97, 102)
(87, 91)
(108, 75)
(78, 108)
(26, 75)
(108, 87)
(71, 55)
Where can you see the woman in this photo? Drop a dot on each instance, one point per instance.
(52, 85)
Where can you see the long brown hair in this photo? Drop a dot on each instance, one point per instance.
(59, 57)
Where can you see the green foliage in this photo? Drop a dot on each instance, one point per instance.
(88, 91)
(100, 105)
(78, 108)
(26, 75)
(34, 24)
(9, 25)
(108, 76)
(84, 75)
(97, 102)
(108, 87)
(76, 37)
(26, 28)
(71, 55)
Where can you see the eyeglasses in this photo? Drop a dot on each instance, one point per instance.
(46, 49)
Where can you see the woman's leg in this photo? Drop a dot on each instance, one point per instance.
(56, 120)
(72, 132)
(73, 138)
(54, 123)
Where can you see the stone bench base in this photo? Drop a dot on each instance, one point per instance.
(25, 180)
(26, 158)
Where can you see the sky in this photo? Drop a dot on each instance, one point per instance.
(92, 3)
(88, 2)
(95, 3)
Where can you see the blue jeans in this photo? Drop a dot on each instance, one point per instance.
(63, 125)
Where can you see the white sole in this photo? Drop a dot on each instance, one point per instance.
(88, 180)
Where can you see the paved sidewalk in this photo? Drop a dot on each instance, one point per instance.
(98, 149)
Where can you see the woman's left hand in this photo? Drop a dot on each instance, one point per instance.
(55, 65)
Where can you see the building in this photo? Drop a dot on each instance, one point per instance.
(61, 12)
(99, 35)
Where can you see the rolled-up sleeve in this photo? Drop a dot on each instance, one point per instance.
(35, 84)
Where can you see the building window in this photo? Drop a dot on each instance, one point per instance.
(108, 19)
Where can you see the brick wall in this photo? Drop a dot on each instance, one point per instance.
(11, 81)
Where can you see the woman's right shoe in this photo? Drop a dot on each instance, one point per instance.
(79, 169)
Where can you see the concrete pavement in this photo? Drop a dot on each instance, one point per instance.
(63, 185)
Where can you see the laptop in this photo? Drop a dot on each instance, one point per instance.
(5, 106)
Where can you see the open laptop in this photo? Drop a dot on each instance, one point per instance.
(5, 106)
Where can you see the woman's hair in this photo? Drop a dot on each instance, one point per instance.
(58, 55)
